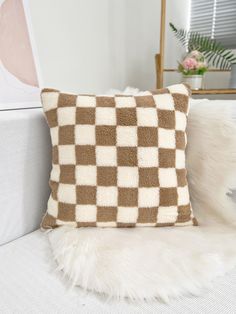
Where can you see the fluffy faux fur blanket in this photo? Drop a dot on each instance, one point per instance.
(165, 263)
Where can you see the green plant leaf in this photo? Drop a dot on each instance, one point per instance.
(213, 51)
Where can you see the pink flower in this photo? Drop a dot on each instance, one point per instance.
(189, 64)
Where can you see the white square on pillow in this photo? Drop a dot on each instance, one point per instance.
(180, 121)
(66, 193)
(127, 136)
(127, 214)
(50, 100)
(85, 134)
(128, 176)
(66, 154)
(125, 102)
(102, 224)
(86, 101)
(179, 159)
(66, 116)
(148, 157)
(52, 207)
(54, 135)
(106, 156)
(167, 177)
(107, 196)
(183, 195)
(86, 213)
(147, 117)
(65, 223)
(86, 175)
(166, 138)
(178, 88)
(148, 197)
(167, 214)
(164, 101)
(105, 116)
(55, 173)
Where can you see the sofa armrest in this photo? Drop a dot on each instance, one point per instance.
(25, 159)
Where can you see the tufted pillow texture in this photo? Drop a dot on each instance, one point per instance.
(118, 161)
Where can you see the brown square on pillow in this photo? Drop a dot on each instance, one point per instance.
(118, 161)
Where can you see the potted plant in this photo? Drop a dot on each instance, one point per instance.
(193, 68)
(212, 51)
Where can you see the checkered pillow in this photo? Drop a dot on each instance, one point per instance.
(118, 161)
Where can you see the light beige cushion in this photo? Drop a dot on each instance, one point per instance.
(118, 161)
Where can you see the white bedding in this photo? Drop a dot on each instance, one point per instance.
(29, 286)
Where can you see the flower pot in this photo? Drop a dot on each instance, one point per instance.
(194, 81)
(232, 83)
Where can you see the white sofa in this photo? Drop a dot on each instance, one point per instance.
(28, 282)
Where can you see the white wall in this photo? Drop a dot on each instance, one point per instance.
(74, 44)
(142, 41)
(92, 46)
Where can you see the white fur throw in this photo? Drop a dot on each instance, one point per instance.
(166, 263)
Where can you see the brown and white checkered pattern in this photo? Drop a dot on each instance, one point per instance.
(118, 161)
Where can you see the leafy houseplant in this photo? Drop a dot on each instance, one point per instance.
(212, 51)
(193, 64)
(193, 67)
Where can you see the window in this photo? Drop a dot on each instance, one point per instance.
(216, 19)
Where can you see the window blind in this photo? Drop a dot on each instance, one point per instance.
(216, 19)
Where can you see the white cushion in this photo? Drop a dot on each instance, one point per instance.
(25, 157)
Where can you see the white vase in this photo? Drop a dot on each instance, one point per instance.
(194, 81)
(232, 83)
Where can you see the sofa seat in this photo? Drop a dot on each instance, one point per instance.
(29, 285)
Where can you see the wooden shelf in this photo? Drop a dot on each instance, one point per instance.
(214, 91)
(209, 70)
